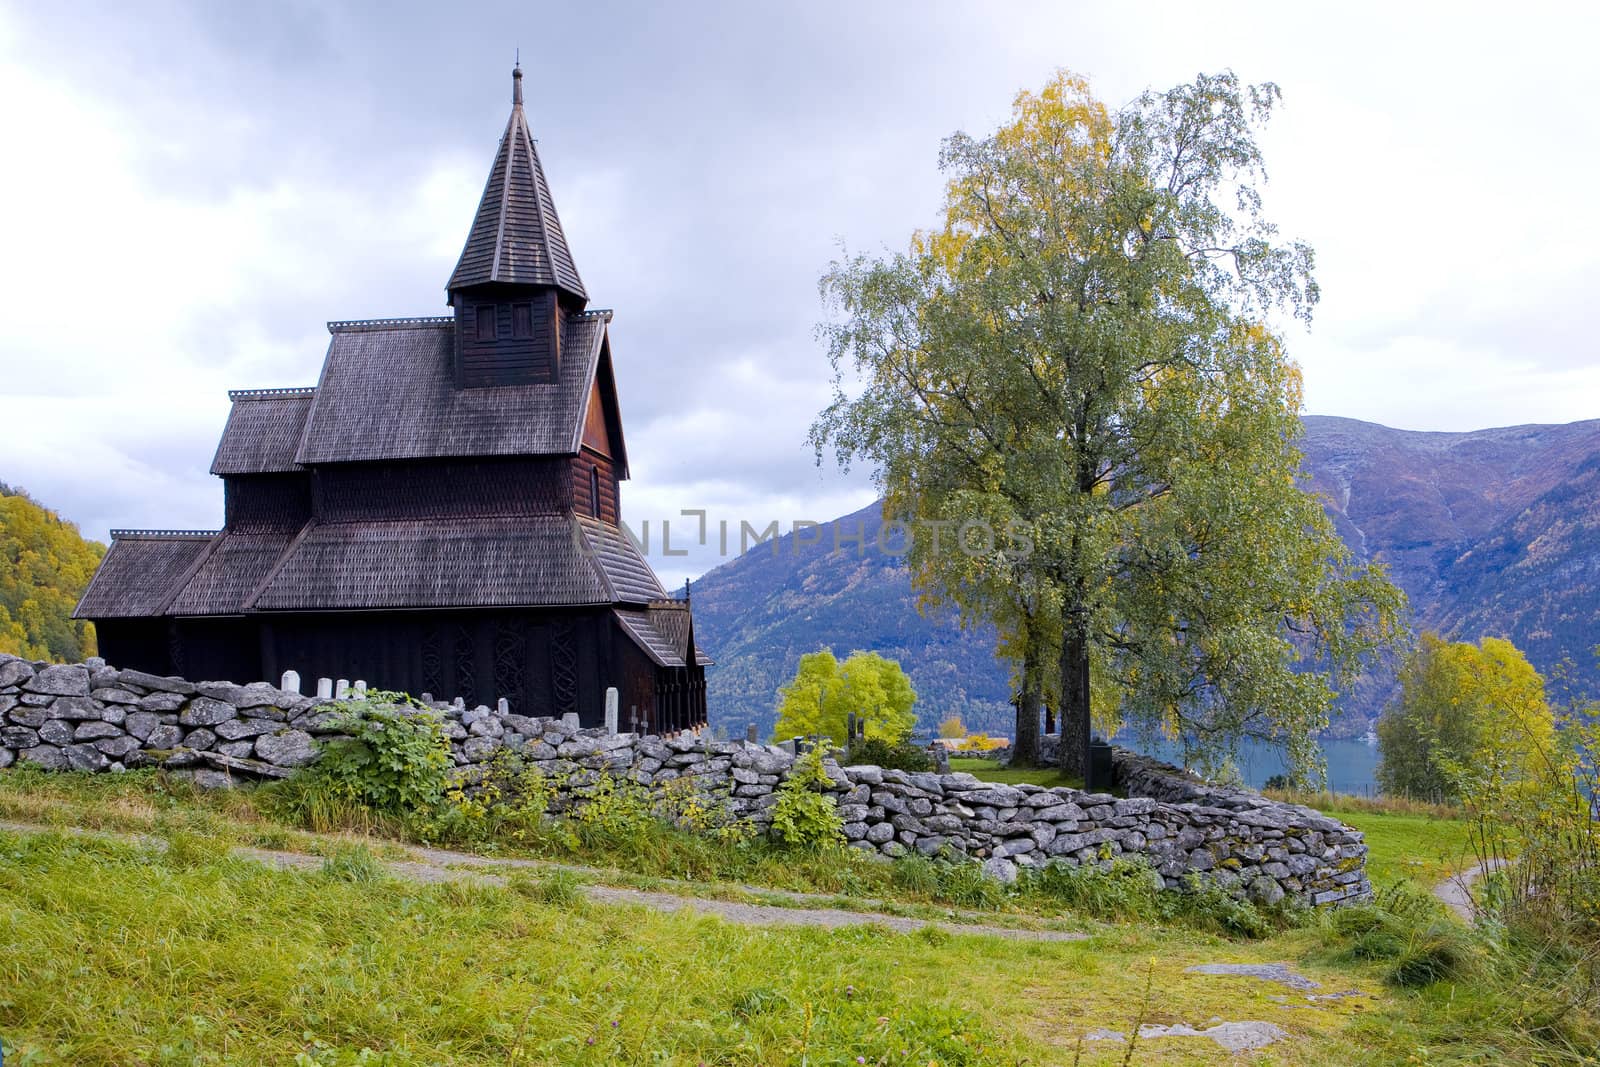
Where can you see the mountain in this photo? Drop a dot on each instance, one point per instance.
(1492, 532)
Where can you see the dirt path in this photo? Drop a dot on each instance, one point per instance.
(1455, 892)
(437, 865)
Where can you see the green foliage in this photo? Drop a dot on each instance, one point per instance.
(952, 880)
(901, 757)
(1076, 366)
(393, 759)
(805, 816)
(1479, 708)
(1129, 889)
(823, 693)
(45, 565)
(1534, 807)
(507, 804)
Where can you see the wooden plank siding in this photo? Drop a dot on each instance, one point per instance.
(522, 348)
(442, 489)
(594, 487)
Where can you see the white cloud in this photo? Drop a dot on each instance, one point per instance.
(187, 197)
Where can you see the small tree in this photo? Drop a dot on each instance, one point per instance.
(1463, 705)
(952, 727)
(824, 692)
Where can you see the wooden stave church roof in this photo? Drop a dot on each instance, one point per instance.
(516, 235)
(387, 393)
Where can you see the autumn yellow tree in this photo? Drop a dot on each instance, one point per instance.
(824, 692)
(45, 565)
(1462, 705)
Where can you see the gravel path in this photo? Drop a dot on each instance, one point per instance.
(1455, 892)
(438, 865)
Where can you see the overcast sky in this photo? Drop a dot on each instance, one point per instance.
(189, 191)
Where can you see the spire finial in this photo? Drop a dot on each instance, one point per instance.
(516, 81)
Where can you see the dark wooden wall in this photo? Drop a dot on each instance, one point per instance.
(266, 500)
(525, 342)
(543, 663)
(583, 485)
(441, 489)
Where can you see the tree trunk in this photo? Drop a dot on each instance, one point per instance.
(1075, 717)
(1025, 741)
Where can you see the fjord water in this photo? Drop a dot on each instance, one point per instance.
(1352, 762)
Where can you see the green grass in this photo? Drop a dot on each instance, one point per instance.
(111, 954)
(1050, 777)
(1424, 848)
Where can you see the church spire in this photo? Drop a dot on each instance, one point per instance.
(516, 236)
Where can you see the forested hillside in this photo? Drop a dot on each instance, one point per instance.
(1490, 533)
(44, 566)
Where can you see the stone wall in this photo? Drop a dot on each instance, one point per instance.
(92, 717)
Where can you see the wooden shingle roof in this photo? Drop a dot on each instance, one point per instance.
(388, 392)
(662, 631)
(263, 431)
(232, 569)
(516, 236)
(140, 573)
(524, 561)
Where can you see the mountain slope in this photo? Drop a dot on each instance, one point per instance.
(1489, 532)
(44, 566)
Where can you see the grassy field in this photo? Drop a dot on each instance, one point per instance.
(116, 952)
(1049, 777)
(113, 954)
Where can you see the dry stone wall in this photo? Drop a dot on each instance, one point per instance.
(93, 717)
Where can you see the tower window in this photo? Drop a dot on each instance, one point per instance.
(594, 491)
(521, 321)
(486, 326)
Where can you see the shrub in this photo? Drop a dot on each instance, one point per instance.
(804, 815)
(508, 803)
(616, 813)
(393, 759)
(900, 756)
(981, 742)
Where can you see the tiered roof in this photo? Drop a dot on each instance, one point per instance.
(388, 394)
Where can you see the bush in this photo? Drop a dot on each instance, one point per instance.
(805, 816)
(508, 804)
(899, 756)
(394, 759)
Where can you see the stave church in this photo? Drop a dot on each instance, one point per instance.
(439, 513)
